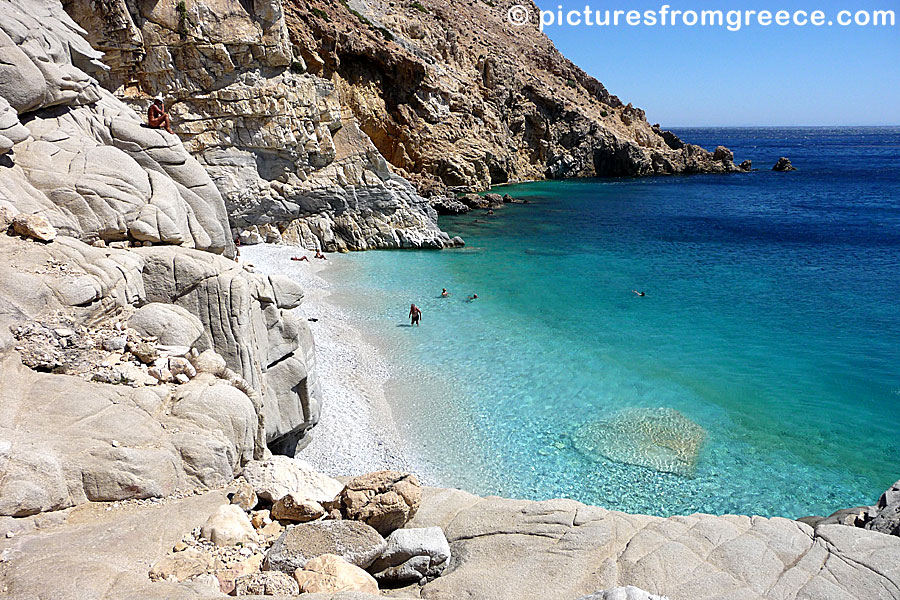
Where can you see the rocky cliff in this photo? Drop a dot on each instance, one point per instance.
(281, 147)
(135, 359)
(452, 94)
(311, 116)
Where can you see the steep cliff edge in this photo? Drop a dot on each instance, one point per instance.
(452, 94)
(312, 116)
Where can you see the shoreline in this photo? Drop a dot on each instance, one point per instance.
(357, 432)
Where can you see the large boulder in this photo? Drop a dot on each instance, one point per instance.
(281, 475)
(887, 512)
(355, 542)
(228, 526)
(332, 574)
(171, 324)
(412, 555)
(386, 500)
(267, 347)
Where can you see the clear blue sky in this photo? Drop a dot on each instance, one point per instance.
(696, 76)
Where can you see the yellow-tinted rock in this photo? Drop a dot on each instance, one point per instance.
(331, 574)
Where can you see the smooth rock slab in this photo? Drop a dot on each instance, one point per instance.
(662, 439)
(355, 542)
(412, 554)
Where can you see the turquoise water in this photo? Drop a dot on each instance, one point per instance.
(771, 324)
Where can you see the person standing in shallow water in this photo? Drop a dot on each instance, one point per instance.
(415, 315)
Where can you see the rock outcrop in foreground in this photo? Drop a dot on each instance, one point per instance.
(456, 546)
(135, 359)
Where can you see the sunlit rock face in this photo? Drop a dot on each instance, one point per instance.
(82, 158)
(662, 439)
(277, 140)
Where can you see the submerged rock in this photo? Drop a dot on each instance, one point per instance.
(662, 439)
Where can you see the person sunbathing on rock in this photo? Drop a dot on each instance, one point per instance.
(415, 315)
(320, 255)
(300, 258)
(157, 118)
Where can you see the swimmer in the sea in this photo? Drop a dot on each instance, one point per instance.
(641, 294)
(415, 315)
(472, 298)
(444, 293)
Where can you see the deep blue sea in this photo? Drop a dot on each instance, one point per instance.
(760, 373)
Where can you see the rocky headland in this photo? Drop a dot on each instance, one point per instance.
(313, 117)
(155, 390)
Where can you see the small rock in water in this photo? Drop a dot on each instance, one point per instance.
(784, 165)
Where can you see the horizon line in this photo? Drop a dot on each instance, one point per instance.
(732, 126)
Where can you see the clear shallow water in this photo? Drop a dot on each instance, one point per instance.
(771, 320)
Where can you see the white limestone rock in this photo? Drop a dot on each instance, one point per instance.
(228, 526)
(281, 475)
(168, 323)
(412, 555)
